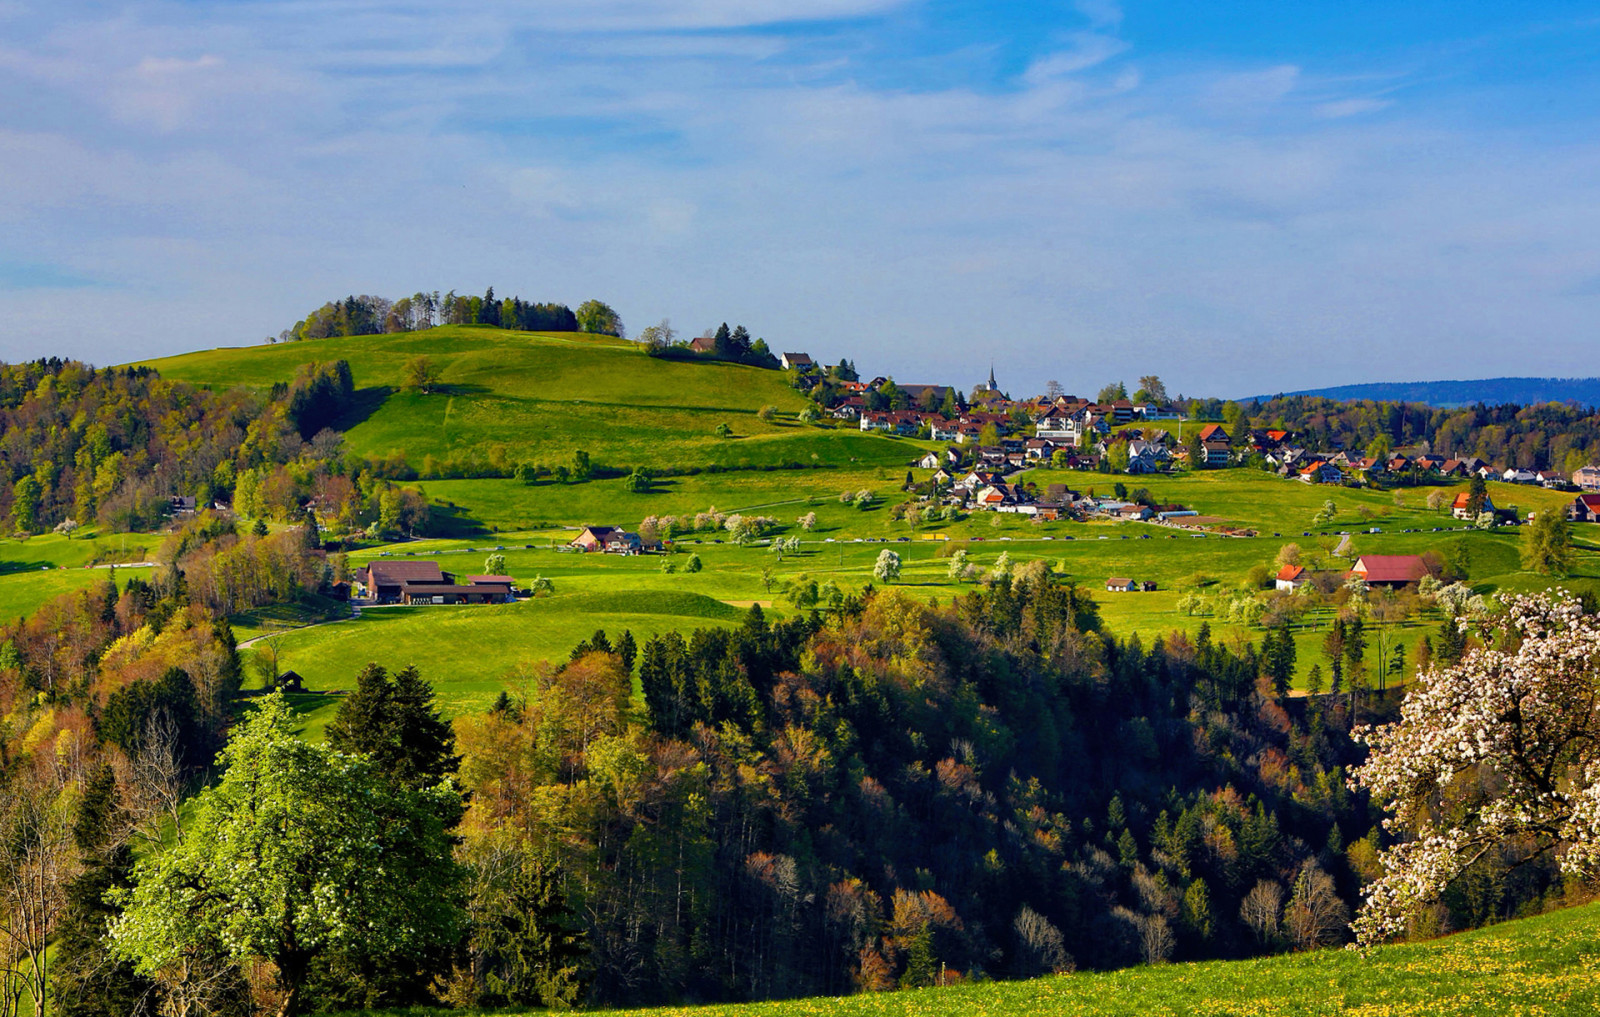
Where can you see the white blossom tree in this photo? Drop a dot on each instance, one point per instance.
(297, 852)
(1504, 745)
(887, 568)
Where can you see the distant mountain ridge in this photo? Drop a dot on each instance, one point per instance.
(1523, 391)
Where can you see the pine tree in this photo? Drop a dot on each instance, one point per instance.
(396, 722)
(627, 649)
(88, 982)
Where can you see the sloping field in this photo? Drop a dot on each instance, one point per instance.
(1549, 965)
(471, 654)
(513, 397)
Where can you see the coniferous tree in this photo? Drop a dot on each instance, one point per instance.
(396, 722)
(88, 981)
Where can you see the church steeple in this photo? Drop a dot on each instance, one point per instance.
(992, 386)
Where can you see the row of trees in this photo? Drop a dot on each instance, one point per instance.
(369, 315)
(732, 345)
(1545, 436)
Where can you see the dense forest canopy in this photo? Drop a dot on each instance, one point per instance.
(1558, 436)
(890, 793)
(115, 445)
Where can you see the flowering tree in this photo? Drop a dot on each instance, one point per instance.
(298, 852)
(887, 568)
(1503, 745)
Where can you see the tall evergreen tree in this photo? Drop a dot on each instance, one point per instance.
(88, 981)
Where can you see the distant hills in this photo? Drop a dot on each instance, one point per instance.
(1584, 391)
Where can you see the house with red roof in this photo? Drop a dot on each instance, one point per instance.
(1461, 507)
(1585, 508)
(1291, 578)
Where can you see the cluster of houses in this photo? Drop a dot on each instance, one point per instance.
(423, 582)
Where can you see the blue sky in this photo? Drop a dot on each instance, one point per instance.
(1240, 197)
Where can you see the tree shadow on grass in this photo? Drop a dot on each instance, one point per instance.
(363, 404)
(452, 521)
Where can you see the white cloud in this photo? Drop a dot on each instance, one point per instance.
(1095, 213)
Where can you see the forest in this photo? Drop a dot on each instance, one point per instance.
(116, 445)
(1555, 436)
(888, 793)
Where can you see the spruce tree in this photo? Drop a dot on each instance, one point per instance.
(88, 981)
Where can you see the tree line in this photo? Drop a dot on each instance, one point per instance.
(369, 315)
(1554, 436)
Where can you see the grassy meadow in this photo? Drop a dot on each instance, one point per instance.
(510, 397)
(1547, 966)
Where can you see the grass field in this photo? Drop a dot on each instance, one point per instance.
(1548, 966)
(41, 568)
(469, 651)
(538, 397)
(471, 654)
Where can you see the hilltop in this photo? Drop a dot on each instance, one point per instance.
(1491, 391)
(509, 397)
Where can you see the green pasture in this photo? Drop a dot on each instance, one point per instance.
(1547, 966)
(1178, 561)
(510, 397)
(38, 569)
(471, 654)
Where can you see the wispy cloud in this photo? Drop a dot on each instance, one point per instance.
(1053, 187)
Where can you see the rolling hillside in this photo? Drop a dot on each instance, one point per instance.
(510, 397)
(1537, 967)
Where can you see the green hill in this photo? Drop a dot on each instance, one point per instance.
(1548, 965)
(511, 397)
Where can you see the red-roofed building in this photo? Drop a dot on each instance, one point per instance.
(1585, 508)
(1461, 509)
(1292, 577)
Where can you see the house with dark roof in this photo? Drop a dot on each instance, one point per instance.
(796, 361)
(385, 581)
(1394, 571)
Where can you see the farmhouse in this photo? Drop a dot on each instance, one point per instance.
(796, 361)
(1461, 508)
(1291, 578)
(385, 581)
(609, 539)
(1585, 508)
(1395, 571)
(1120, 584)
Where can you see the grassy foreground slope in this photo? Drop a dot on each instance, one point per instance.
(538, 397)
(1549, 965)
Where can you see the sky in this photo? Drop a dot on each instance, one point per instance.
(1240, 197)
